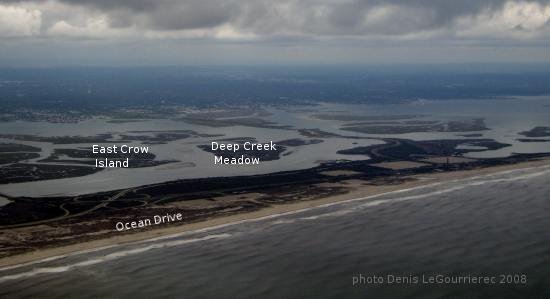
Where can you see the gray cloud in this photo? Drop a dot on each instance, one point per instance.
(192, 15)
(301, 17)
(340, 17)
(283, 30)
(135, 5)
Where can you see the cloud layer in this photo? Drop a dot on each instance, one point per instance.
(133, 32)
(267, 19)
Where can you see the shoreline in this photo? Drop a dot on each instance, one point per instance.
(357, 192)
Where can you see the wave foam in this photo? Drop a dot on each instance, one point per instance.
(109, 257)
(472, 181)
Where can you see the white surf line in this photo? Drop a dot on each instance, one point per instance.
(57, 257)
(108, 257)
(210, 228)
(207, 229)
(383, 201)
(508, 172)
(424, 195)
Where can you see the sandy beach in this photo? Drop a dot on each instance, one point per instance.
(357, 190)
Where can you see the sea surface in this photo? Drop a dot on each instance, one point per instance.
(488, 226)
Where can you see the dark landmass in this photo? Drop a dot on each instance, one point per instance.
(154, 137)
(317, 133)
(374, 129)
(26, 172)
(100, 138)
(86, 156)
(157, 138)
(124, 121)
(532, 140)
(298, 142)
(161, 137)
(62, 163)
(421, 122)
(245, 121)
(13, 153)
(409, 150)
(373, 123)
(230, 113)
(262, 155)
(69, 220)
(14, 147)
(239, 139)
(477, 124)
(43, 115)
(190, 132)
(423, 126)
(537, 132)
(72, 219)
(470, 135)
(347, 117)
(6, 158)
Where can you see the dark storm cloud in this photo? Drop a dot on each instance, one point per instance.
(164, 14)
(136, 5)
(130, 32)
(192, 14)
(426, 14)
(291, 17)
(309, 17)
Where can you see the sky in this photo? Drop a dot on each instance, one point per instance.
(267, 32)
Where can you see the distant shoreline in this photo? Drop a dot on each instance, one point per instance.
(357, 191)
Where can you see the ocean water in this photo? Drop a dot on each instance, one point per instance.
(488, 225)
